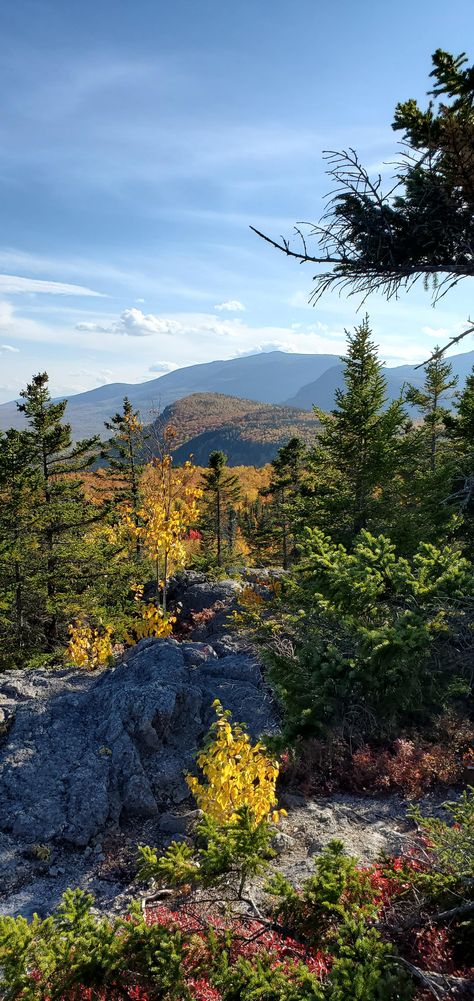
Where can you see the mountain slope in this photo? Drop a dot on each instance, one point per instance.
(300, 379)
(269, 377)
(250, 433)
(321, 390)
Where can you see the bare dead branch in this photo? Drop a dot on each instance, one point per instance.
(454, 340)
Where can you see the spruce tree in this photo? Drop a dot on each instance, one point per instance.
(460, 435)
(437, 389)
(124, 455)
(19, 494)
(358, 451)
(221, 493)
(256, 525)
(284, 489)
(62, 513)
(460, 424)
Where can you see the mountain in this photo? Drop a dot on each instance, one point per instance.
(250, 433)
(273, 377)
(267, 377)
(321, 391)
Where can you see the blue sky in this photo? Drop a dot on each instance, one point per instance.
(138, 142)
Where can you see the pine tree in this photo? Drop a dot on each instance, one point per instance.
(437, 388)
(421, 227)
(460, 435)
(221, 493)
(284, 488)
(18, 505)
(460, 424)
(124, 455)
(256, 525)
(62, 512)
(359, 450)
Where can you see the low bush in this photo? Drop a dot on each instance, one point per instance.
(237, 796)
(351, 643)
(407, 768)
(349, 933)
(411, 766)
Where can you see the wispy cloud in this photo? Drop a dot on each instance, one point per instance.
(9, 348)
(18, 285)
(230, 306)
(449, 331)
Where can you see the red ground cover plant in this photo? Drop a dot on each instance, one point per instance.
(184, 628)
(412, 767)
(247, 938)
(409, 768)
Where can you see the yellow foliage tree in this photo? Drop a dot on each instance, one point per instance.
(237, 774)
(88, 647)
(169, 507)
(151, 621)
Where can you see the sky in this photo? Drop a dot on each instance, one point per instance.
(138, 143)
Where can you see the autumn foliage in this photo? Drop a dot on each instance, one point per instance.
(236, 774)
(88, 647)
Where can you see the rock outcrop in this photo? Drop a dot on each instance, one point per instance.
(83, 753)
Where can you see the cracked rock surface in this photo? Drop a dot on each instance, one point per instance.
(86, 752)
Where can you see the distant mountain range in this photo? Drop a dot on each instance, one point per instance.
(250, 433)
(295, 380)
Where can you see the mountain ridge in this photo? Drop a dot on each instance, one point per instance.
(277, 377)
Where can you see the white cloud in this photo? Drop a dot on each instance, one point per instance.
(134, 323)
(230, 306)
(100, 376)
(163, 366)
(6, 314)
(9, 348)
(93, 328)
(138, 324)
(17, 284)
(288, 346)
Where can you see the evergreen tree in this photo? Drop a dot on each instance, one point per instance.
(256, 525)
(287, 472)
(460, 435)
(429, 401)
(124, 454)
(460, 425)
(423, 225)
(359, 450)
(18, 505)
(221, 493)
(62, 512)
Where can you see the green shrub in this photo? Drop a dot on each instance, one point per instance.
(240, 849)
(75, 949)
(360, 629)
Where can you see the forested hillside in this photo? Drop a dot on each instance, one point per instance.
(269, 377)
(250, 433)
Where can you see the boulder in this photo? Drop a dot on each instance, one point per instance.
(85, 752)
